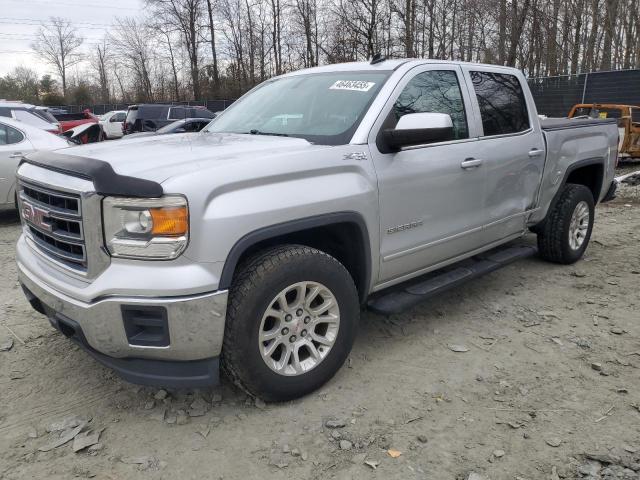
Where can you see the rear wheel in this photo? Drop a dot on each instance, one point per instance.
(565, 233)
(292, 319)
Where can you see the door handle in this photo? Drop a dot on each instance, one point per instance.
(16, 155)
(471, 163)
(535, 153)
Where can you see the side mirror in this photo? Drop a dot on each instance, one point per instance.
(418, 129)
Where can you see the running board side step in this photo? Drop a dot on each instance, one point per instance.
(407, 295)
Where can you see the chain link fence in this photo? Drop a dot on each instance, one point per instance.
(101, 109)
(554, 96)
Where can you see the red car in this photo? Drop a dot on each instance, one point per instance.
(71, 120)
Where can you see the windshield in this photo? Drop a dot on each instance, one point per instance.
(171, 127)
(323, 108)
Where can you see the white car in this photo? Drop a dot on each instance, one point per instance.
(18, 139)
(112, 123)
(39, 117)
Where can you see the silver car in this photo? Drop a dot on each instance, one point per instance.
(18, 139)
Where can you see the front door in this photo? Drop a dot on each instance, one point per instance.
(431, 196)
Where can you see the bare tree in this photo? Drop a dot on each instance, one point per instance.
(131, 40)
(214, 53)
(185, 16)
(58, 44)
(242, 42)
(100, 61)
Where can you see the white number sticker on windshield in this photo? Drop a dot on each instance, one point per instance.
(357, 85)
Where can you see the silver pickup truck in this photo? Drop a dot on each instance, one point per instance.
(255, 244)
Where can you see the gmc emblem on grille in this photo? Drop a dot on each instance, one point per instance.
(35, 216)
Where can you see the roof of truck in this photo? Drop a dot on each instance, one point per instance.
(385, 65)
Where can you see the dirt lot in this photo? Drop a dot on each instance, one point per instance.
(551, 374)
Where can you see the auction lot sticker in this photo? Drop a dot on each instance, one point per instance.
(356, 85)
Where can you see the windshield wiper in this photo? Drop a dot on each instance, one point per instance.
(258, 132)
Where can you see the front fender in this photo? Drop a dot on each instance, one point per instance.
(242, 204)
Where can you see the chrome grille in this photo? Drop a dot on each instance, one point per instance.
(53, 221)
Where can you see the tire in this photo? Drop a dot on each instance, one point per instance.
(257, 287)
(555, 242)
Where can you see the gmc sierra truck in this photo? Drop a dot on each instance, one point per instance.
(253, 245)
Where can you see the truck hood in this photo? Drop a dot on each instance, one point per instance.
(161, 157)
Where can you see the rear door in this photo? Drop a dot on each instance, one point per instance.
(431, 200)
(510, 145)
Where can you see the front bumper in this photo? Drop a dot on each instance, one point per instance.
(181, 350)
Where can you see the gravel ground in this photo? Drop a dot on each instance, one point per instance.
(548, 388)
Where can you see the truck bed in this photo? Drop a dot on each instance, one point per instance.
(571, 142)
(549, 124)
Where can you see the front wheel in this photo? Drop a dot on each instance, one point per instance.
(564, 235)
(291, 322)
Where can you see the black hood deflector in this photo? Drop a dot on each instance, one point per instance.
(105, 180)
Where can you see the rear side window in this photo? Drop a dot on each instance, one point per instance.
(45, 115)
(119, 117)
(31, 119)
(177, 113)
(502, 105)
(9, 135)
(435, 91)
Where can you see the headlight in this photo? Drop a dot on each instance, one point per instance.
(150, 228)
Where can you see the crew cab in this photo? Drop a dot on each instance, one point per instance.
(255, 244)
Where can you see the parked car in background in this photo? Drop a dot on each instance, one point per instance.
(17, 139)
(151, 117)
(628, 118)
(57, 110)
(112, 123)
(72, 120)
(38, 117)
(85, 133)
(188, 125)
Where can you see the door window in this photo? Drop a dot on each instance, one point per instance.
(177, 113)
(9, 135)
(434, 91)
(502, 105)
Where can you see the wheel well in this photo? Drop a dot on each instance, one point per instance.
(345, 241)
(590, 176)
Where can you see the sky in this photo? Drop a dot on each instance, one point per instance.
(21, 19)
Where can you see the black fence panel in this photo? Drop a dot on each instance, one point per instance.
(554, 96)
(101, 109)
(614, 87)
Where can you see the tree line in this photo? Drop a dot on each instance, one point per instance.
(182, 50)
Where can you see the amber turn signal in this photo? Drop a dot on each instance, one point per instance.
(170, 221)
